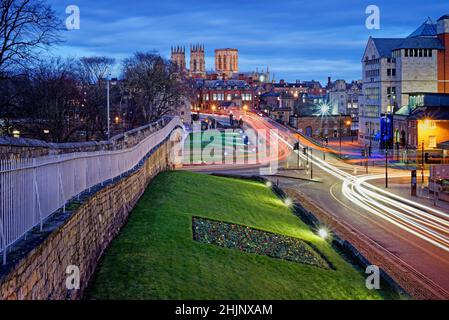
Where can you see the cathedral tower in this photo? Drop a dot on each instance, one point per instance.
(197, 61)
(227, 61)
(178, 58)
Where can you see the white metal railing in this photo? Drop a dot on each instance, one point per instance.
(32, 189)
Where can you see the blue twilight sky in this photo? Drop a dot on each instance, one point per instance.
(297, 39)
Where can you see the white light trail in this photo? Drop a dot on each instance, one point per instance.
(427, 223)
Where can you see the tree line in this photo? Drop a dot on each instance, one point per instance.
(64, 99)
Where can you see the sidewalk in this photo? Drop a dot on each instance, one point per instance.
(352, 153)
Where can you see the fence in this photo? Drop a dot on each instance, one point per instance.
(33, 189)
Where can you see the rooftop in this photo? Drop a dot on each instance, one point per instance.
(424, 37)
(427, 29)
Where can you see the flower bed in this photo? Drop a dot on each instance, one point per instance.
(256, 241)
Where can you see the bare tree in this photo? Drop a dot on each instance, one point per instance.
(52, 101)
(26, 26)
(152, 85)
(94, 72)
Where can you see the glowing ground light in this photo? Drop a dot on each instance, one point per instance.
(269, 184)
(323, 233)
(288, 202)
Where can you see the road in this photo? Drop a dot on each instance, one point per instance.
(417, 233)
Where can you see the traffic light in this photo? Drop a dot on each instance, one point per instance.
(304, 150)
(296, 147)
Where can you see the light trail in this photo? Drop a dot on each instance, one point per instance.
(424, 222)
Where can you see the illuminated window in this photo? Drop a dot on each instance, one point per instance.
(432, 142)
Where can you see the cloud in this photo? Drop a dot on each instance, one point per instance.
(293, 37)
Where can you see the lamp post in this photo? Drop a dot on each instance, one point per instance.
(370, 140)
(386, 167)
(422, 163)
(311, 163)
(108, 108)
(109, 82)
(340, 133)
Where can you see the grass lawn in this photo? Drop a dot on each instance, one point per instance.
(155, 257)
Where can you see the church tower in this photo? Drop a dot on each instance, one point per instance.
(178, 58)
(227, 61)
(197, 61)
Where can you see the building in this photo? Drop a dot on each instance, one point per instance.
(344, 99)
(317, 126)
(338, 97)
(395, 68)
(197, 61)
(178, 58)
(226, 62)
(217, 95)
(424, 122)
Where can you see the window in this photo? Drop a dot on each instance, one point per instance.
(218, 97)
(372, 93)
(393, 72)
(432, 142)
(246, 96)
(406, 52)
(391, 92)
(228, 97)
(389, 72)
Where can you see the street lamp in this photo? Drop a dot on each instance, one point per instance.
(16, 133)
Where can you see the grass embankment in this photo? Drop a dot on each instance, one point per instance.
(155, 256)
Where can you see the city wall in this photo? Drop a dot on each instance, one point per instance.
(42, 263)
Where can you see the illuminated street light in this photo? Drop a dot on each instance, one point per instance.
(16, 133)
(324, 109)
(269, 184)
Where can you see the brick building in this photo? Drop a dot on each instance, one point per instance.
(223, 94)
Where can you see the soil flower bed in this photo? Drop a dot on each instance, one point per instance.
(256, 241)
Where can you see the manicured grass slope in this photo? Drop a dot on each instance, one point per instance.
(155, 257)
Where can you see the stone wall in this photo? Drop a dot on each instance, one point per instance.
(80, 238)
(32, 148)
